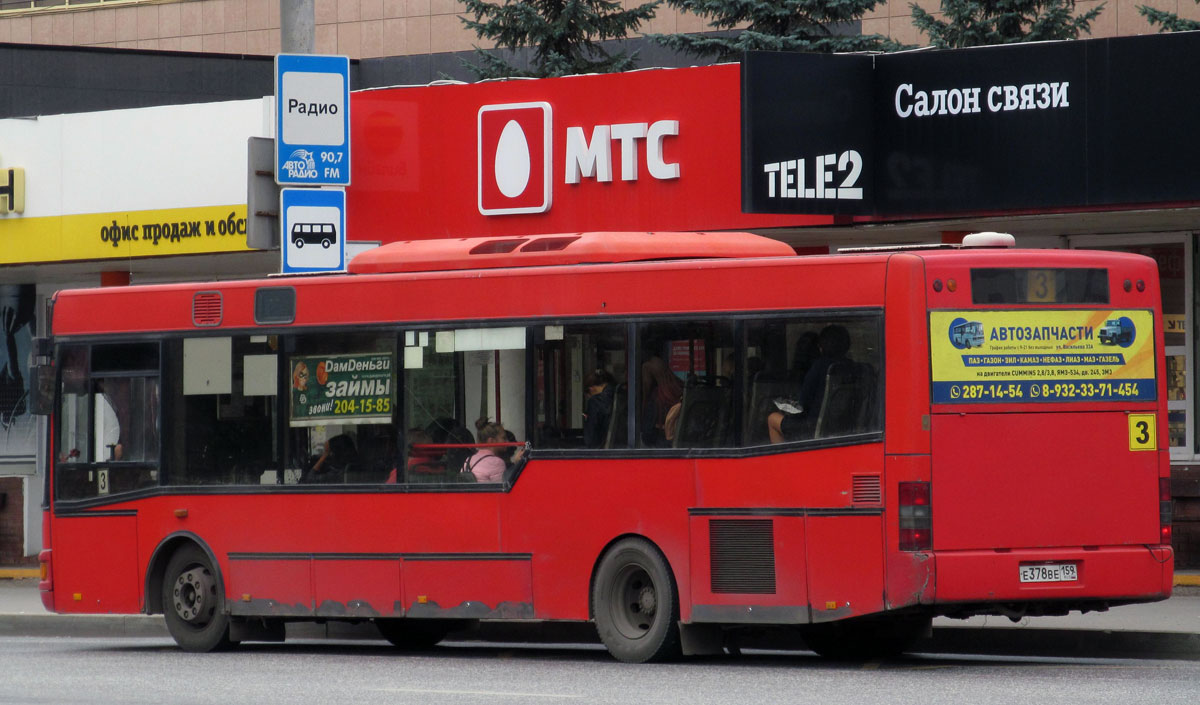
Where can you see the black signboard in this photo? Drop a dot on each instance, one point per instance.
(1027, 126)
(806, 133)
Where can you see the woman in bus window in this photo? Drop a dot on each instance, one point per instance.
(661, 390)
(487, 464)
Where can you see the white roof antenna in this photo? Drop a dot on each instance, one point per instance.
(989, 239)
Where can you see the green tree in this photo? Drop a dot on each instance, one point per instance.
(775, 25)
(562, 35)
(968, 23)
(1167, 21)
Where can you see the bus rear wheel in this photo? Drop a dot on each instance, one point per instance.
(867, 637)
(193, 605)
(635, 603)
(414, 634)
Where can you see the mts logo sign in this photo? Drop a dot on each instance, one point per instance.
(515, 147)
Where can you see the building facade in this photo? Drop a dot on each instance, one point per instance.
(364, 29)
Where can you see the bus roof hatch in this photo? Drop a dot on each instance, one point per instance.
(565, 248)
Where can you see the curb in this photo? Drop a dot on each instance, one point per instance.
(22, 573)
(1083, 643)
(1187, 580)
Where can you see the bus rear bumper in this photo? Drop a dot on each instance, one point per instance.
(1103, 576)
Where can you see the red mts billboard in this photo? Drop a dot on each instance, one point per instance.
(650, 150)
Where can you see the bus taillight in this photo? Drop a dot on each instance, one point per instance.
(1164, 510)
(916, 517)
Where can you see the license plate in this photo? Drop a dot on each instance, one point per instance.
(1049, 573)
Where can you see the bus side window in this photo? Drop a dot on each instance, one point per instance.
(569, 412)
(341, 408)
(689, 390)
(456, 383)
(221, 394)
(108, 441)
(816, 377)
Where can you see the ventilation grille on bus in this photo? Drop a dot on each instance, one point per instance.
(207, 309)
(867, 489)
(742, 552)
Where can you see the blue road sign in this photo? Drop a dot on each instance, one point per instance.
(313, 232)
(312, 120)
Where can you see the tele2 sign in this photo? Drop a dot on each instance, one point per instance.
(312, 120)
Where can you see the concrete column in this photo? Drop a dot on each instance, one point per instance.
(297, 26)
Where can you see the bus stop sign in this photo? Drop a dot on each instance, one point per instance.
(312, 120)
(314, 230)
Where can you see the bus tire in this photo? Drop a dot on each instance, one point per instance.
(193, 605)
(299, 243)
(867, 637)
(326, 243)
(635, 603)
(414, 634)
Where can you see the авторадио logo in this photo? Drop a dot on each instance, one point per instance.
(301, 165)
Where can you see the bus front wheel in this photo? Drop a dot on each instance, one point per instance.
(635, 603)
(193, 605)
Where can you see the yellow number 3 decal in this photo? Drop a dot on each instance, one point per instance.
(1142, 434)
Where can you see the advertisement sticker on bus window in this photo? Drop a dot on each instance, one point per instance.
(348, 389)
(1042, 356)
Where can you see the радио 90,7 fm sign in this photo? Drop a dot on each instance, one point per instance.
(312, 120)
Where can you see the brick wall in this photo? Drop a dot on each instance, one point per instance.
(12, 530)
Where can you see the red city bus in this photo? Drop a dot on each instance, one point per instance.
(708, 434)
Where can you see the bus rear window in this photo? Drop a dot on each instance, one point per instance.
(1039, 286)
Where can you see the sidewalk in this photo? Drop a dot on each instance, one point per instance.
(1167, 629)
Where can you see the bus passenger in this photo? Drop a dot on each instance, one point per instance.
(661, 391)
(807, 352)
(337, 457)
(487, 464)
(601, 389)
(421, 461)
(834, 344)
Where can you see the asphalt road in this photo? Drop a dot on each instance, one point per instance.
(152, 671)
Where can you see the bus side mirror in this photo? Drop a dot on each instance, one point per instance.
(41, 389)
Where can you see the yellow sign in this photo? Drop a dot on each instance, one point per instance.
(1042, 356)
(99, 236)
(12, 190)
(1142, 433)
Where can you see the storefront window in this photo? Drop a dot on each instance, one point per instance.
(1173, 255)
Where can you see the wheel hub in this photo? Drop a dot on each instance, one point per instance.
(192, 595)
(647, 600)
